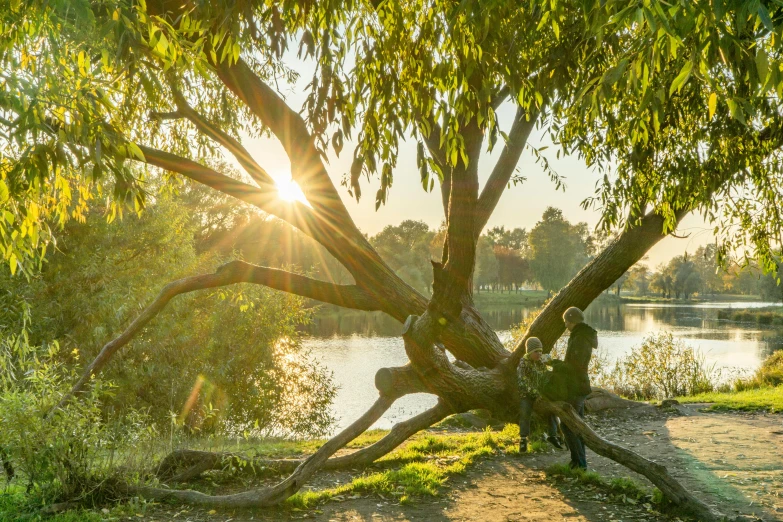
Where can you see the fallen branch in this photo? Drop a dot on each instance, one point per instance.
(656, 473)
(197, 462)
(265, 497)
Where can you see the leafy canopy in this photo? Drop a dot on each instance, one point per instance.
(677, 101)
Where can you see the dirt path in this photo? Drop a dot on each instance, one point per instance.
(734, 461)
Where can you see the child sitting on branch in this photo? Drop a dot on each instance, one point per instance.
(532, 379)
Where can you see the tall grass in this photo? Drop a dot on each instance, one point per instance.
(661, 367)
(769, 374)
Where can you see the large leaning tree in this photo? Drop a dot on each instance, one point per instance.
(677, 102)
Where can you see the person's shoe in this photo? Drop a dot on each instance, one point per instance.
(555, 441)
(576, 465)
(523, 445)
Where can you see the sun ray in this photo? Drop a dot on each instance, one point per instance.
(289, 190)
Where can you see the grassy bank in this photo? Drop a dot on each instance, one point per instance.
(420, 468)
(765, 316)
(760, 399)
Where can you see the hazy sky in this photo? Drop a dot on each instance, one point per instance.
(520, 206)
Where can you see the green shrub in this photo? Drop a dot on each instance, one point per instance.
(225, 361)
(769, 374)
(73, 453)
(660, 368)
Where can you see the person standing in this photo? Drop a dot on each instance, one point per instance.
(532, 376)
(581, 343)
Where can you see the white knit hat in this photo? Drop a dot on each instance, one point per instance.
(533, 344)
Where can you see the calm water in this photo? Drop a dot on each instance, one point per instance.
(355, 345)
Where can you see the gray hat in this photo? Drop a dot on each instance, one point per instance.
(574, 315)
(533, 344)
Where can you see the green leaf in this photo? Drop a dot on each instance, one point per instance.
(4, 194)
(762, 64)
(736, 110)
(12, 261)
(712, 104)
(163, 44)
(765, 19)
(681, 78)
(135, 151)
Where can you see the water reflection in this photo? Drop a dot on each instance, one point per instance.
(354, 345)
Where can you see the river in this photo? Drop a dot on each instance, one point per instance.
(354, 345)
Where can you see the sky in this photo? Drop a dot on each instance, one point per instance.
(520, 206)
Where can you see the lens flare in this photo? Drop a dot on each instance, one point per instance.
(289, 190)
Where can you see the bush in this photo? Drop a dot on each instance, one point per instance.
(71, 454)
(769, 374)
(660, 368)
(223, 361)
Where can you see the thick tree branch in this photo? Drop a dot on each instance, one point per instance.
(232, 145)
(452, 286)
(264, 197)
(656, 473)
(231, 273)
(399, 381)
(461, 387)
(500, 97)
(504, 168)
(290, 129)
(171, 115)
(632, 244)
(598, 275)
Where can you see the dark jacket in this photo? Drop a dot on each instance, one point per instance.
(581, 343)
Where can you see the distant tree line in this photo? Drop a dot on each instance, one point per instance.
(507, 259)
(547, 256)
(700, 273)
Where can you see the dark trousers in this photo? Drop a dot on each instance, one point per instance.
(575, 442)
(526, 412)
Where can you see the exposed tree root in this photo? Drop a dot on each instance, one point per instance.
(265, 497)
(656, 473)
(184, 465)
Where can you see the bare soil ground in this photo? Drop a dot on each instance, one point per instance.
(733, 460)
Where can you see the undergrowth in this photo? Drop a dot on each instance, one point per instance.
(623, 489)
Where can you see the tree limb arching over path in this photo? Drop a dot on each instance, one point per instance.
(570, 76)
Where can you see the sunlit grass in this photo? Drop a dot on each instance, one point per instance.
(759, 399)
(622, 489)
(420, 468)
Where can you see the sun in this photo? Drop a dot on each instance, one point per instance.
(289, 190)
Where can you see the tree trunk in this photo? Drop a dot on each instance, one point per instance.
(598, 275)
